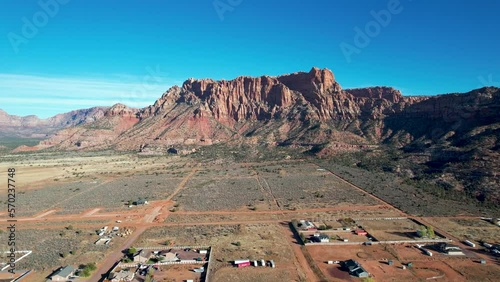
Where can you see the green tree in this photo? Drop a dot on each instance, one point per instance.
(132, 251)
(302, 237)
(87, 270)
(422, 232)
(430, 232)
(149, 276)
(92, 266)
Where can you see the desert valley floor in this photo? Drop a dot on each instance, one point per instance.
(240, 210)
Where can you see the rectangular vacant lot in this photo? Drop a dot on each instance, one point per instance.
(115, 194)
(53, 248)
(391, 230)
(31, 202)
(315, 191)
(79, 196)
(207, 193)
(473, 229)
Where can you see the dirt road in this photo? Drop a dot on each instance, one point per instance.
(305, 269)
(106, 265)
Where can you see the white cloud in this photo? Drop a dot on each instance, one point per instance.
(21, 92)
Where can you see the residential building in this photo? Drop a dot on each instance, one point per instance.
(122, 275)
(167, 257)
(63, 274)
(142, 256)
(354, 268)
(323, 238)
(449, 249)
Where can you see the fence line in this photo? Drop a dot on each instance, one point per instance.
(379, 218)
(162, 263)
(173, 247)
(380, 242)
(22, 276)
(27, 253)
(207, 275)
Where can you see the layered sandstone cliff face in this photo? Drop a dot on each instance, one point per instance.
(304, 108)
(454, 134)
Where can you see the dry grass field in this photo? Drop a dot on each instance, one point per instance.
(55, 247)
(239, 209)
(473, 229)
(82, 195)
(391, 230)
(410, 199)
(266, 186)
(251, 216)
(36, 170)
(211, 194)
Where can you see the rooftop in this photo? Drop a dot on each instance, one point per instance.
(65, 271)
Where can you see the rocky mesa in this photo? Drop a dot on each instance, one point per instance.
(448, 134)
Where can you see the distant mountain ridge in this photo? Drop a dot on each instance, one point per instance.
(298, 108)
(32, 126)
(450, 133)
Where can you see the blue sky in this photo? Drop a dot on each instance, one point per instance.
(88, 53)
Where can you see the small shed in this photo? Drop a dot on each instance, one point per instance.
(323, 238)
(172, 151)
(140, 202)
(361, 232)
(390, 262)
(243, 264)
(482, 261)
(469, 243)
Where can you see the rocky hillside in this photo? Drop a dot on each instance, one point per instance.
(454, 137)
(34, 127)
(102, 133)
(304, 108)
